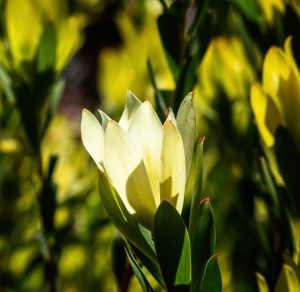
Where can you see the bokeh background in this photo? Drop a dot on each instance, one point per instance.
(59, 56)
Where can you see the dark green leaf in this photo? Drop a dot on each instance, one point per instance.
(249, 9)
(212, 280)
(6, 84)
(138, 272)
(151, 266)
(202, 243)
(28, 111)
(269, 181)
(172, 247)
(121, 218)
(46, 51)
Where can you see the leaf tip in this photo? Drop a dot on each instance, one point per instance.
(205, 200)
(202, 139)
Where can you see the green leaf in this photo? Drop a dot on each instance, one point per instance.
(288, 159)
(186, 122)
(212, 280)
(172, 247)
(138, 272)
(250, 9)
(287, 280)
(197, 187)
(6, 84)
(202, 243)
(47, 197)
(269, 181)
(150, 265)
(56, 94)
(121, 218)
(169, 34)
(46, 51)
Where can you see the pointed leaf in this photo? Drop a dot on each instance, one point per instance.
(212, 280)
(46, 50)
(138, 272)
(172, 246)
(150, 265)
(202, 243)
(121, 218)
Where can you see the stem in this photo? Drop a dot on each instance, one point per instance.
(48, 227)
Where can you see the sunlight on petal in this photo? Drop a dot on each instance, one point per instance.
(92, 136)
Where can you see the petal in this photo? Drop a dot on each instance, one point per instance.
(132, 104)
(171, 117)
(146, 132)
(275, 68)
(173, 173)
(126, 169)
(186, 123)
(266, 114)
(24, 28)
(92, 136)
(104, 119)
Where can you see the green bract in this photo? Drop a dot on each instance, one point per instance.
(147, 162)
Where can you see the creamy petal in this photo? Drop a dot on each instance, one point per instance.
(171, 117)
(125, 167)
(104, 119)
(92, 136)
(132, 104)
(146, 132)
(173, 173)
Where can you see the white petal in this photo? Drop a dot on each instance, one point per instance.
(146, 132)
(171, 117)
(186, 122)
(127, 172)
(132, 104)
(173, 173)
(104, 119)
(92, 136)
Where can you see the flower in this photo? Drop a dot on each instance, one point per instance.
(277, 101)
(145, 161)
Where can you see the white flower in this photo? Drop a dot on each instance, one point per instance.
(146, 162)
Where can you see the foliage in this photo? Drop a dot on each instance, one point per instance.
(241, 60)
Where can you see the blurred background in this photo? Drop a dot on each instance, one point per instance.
(59, 56)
